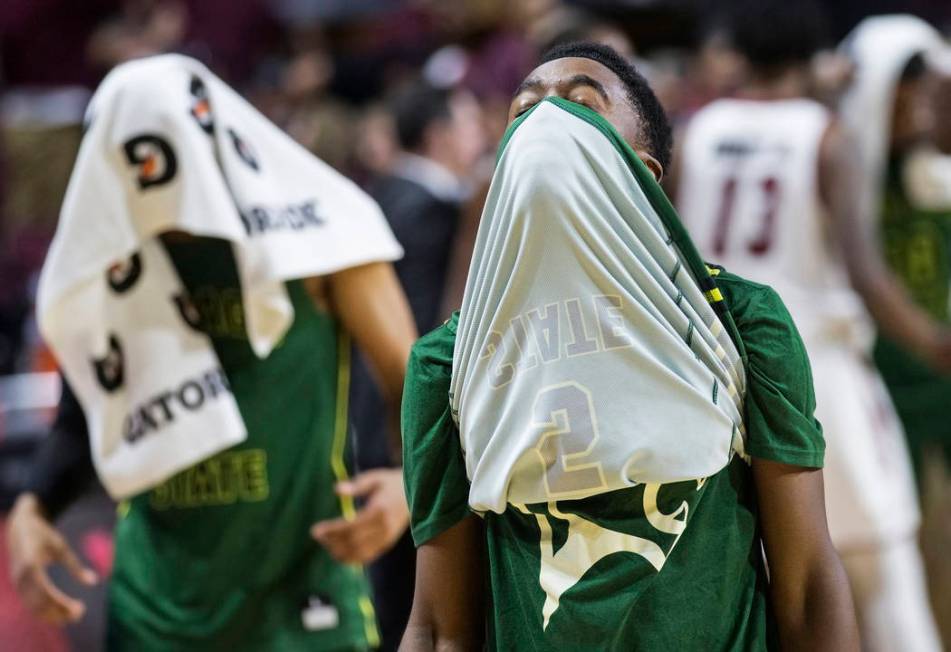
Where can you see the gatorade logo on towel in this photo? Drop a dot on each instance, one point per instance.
(154, 158)
(201, 105)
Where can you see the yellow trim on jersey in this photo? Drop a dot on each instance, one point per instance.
(714, 271)
(369, 622)
(340, 423)
(713, 295)
(339, 466)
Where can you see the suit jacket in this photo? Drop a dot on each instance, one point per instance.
(425, 225)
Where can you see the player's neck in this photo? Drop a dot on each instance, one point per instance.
(790, 84)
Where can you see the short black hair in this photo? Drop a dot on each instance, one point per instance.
(775, 34)
(655, 127)
(415, 107)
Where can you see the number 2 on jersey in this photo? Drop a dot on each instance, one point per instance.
(568, 432)
(763, 241)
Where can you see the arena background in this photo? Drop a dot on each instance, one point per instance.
(325, 71)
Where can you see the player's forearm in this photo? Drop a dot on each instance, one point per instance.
(373, 309)
(28, 502)
(449, 606)
(811, 601)
(445, 615)
(62, 466)
(853, 227)
(893, 310)
(417, 638)
(822, 617)
(423, 638)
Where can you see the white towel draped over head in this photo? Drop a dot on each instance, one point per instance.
(588, 356)
(170, 147)
(880, 47)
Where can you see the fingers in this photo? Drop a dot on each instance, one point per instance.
(349, 543)
(76, 568)
(376, 526)
(34, 545)
(44, 599)
(361, 484)
(357, 541)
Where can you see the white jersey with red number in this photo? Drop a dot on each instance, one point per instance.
(749, 195)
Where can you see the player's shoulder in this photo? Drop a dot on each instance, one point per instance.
(729, 109)
(708, 114)
(436, 346)
(748, 300)
(769, 334)
(738, 289)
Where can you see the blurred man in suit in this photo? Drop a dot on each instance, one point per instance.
(441, 140)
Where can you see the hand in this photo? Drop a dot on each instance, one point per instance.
(34, 545)
(376, 527)
(937, 350)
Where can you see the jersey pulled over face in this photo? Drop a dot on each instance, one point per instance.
(579, 284)
(590, 84)
(657, 566)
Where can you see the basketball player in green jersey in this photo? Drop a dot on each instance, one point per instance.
(701, 582)
(223, 556)
(916, 230)
(915, 219)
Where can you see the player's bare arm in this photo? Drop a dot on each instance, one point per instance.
(449, 601)
(33, 542)
(373, 309)
(854, 232)
(810, 592)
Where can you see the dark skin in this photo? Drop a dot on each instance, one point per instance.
(810, 594)
(939, 94)
(918, 109)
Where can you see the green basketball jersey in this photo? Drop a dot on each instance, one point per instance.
(220, 557)
(918, 248)
(652, 567)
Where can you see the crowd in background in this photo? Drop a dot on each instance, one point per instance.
(327, 72)
(407, 97)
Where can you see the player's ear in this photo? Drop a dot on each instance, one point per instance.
(652, 164)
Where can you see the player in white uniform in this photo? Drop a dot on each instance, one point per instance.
(766, 187)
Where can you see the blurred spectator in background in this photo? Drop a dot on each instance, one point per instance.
(570, 24)
(46, 82)
(440, 139)
(376, 147)
(899, 103)
(716, 70)
(315, 118)
(769, 190)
